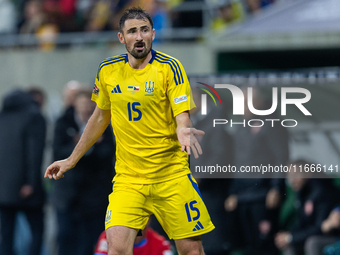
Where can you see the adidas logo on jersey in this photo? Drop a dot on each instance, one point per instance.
(116, 89)
(198, 226)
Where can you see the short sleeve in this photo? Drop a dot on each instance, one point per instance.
(179, 91)
(99, 92)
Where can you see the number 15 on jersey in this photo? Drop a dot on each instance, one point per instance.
(132, 107)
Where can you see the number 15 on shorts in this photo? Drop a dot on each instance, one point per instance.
(191, 210)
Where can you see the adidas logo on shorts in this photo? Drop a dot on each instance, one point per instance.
(198, 226)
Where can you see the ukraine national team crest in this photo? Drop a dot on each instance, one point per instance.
(149, 87)
(108, 217)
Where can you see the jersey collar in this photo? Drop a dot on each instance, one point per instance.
(153, 52)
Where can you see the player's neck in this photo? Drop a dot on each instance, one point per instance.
(139, 63)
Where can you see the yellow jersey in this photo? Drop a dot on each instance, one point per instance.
(144, 104)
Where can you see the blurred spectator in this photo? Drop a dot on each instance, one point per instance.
(253, 203)
(313, 203)
(34, 17)
(150, 243)
(173, 3)
(38, 96)
(99, 16)
(48, 18)
(70, 91)
(7, 17)
(82, 8)
(330, 228)
(78, 199)
(22, 140)
(159, 15)
(217, 149)
(41, 23)
(229, 12)
(62, 14)
(47, 36)
(119, 6)
(117, 9)
(332, 223)
(255, 5)
(67, 7)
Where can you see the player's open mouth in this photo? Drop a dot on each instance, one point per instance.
(139, 46)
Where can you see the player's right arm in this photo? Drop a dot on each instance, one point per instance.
(95, 127)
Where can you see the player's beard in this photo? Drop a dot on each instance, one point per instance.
(139, 54)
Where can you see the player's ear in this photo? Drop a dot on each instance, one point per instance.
(121, 37)
(153, 34)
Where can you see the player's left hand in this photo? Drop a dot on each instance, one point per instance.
(187, 139)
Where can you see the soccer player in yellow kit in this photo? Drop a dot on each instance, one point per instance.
(146, 95)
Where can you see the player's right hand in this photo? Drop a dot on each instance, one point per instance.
(57, 169)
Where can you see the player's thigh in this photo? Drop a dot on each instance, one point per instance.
(179, 208)
(129, 206)
(189, 246)
(120, 240)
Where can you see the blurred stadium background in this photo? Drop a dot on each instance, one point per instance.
(266, 43)
(263, 39)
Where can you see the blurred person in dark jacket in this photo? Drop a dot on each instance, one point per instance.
(329, 242)
(70, 91)
(218, 150)
(253, 203)
(38, 96)
(22, 140)
(313, 203)
(81, 199)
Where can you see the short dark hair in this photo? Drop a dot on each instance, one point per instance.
(134, 13)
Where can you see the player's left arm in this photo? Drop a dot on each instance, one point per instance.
(187, 135)
(181, 101)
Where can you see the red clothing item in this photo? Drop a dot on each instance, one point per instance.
(152, 244)
(67, 7)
